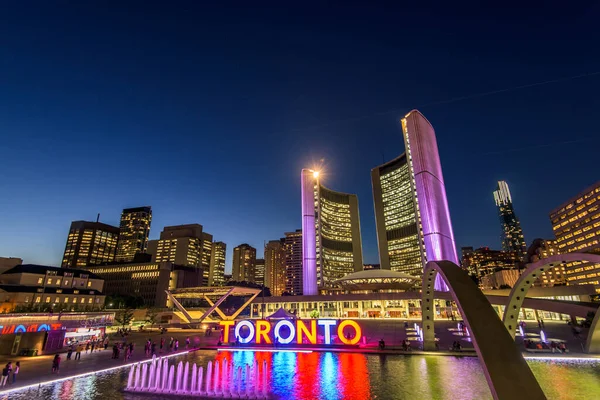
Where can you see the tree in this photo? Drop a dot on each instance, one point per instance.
(314, 314)
(152, 316)
(124, 317)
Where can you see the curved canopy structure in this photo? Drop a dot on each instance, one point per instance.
(378, 279)
(505, 369)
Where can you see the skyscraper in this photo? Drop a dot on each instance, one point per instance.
(133, 233)
(512, 234)
(331, 240)
(206, 253)
(179, 244)
(216, 276)
(411, 210)
(90, 243)
(293, 262)
(244, 263)
(259, 271)
(401, 247)
(275, 276)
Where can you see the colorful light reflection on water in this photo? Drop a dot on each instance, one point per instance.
(308, 376)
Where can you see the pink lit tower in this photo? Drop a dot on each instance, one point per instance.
(411, 210)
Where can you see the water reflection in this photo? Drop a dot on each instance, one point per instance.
(351, 376)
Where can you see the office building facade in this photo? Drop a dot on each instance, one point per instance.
(332, 246)
(206, 252)
(512, 234)
(179, 244)
(259, 271)
(411, 209)
(294, 262)
(576, 225)
(275, 274)
(216, 275)
(244, 263)
(147, 281)
(134, 230)
(30, 287)
(90, 243)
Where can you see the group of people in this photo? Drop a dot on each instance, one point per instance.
(456, 346)
(8, 370)
(119, 347)
(405, 345)
(89, 346)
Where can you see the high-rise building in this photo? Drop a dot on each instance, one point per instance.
(216, 275)
(90, 243)
(133, 233)
(293, 262)
(411, 210)
(207, 240)
(179, 244)
(244, 263)
(576, 225)
(275, 272)
(331, 240)
(512, 234)
(259, 271)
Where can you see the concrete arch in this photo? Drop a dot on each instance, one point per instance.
(528, 277)
(505, 369)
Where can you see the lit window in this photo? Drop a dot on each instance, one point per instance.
(49, 281)
(47, 299)
(41, 280)
(66, 300)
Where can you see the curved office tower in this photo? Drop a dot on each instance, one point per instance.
(411, 209)
(331, 243)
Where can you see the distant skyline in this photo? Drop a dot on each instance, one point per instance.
(208, 113)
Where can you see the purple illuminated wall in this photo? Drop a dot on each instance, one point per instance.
(309, 251)
(421, 145)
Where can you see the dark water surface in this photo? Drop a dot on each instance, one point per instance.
(351, 376)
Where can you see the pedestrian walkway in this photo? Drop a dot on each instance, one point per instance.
(37, 370)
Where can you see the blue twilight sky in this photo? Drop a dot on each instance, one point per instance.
(208, 112)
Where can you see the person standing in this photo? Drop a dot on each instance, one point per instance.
(16, 371)
(4, 375)
(93, 345)
(153, 348)
(187, 342)
(78, 352)
(171, 344)
(87, 347)
(176, 345)
(70, 352)
(56, 364)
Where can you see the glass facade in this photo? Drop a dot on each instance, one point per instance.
(397, 222)
(512, 234)
(335, 242)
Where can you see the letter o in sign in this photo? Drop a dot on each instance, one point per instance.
(238, 329)
(278, 328)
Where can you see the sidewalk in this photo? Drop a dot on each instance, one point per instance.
(36, 370)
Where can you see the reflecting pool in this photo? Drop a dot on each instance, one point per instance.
(352, 376)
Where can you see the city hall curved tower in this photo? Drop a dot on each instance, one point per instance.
(411, 210)
(331, 242)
